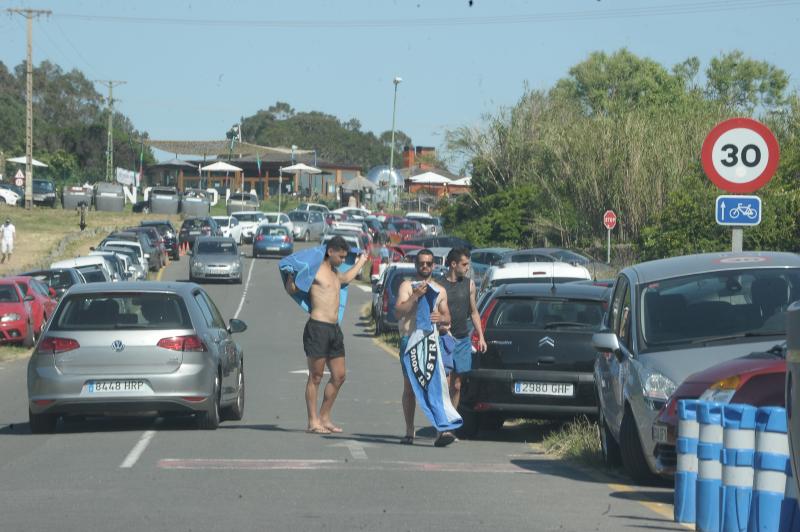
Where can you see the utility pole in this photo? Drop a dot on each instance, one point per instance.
(29, 14)
(110, 148)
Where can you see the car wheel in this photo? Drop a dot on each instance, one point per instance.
(42, 423)
(209, 420)
(469, 429)
(608, 445)
(491, 421)
(236, 411)
(630, 447)
(378, 326)
(30, 336)
(306, 237)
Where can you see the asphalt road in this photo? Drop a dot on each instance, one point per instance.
(266, 473)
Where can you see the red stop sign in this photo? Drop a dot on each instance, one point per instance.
(610, 219)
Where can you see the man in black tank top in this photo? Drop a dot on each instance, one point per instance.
(463, 309)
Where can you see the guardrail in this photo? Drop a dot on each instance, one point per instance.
(734, 469)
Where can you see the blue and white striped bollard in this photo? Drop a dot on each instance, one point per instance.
(686, 468)
(709, 467)
(738, 453)
(771, 467)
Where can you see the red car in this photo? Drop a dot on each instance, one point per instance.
(757, 379)
(15, 322)
(43, 303)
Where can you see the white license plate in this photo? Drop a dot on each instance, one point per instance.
(558, 389)
(660, 434)
(273, 249)
(194, 232)
(116, 386)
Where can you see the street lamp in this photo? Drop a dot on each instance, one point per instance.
(396, 82)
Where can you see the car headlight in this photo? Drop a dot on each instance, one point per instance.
(11, 316)
(236, 266)
(197, 265)
(722, 391)
(656, 388)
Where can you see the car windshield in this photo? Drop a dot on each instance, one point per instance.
(216, 248)
(54, 278)
(527, 257)
(92, 274)
(194, 224)
(406, 226)
(547, 313)
(565, 255)
(43, 187)
(84, 312)
(271, 218)
(8, 294)
(247, 217)
(273, 231)
(717, 306)
(130, 253)
(297, 216)
(222, 222)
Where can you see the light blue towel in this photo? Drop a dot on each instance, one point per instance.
(304, 265)
(424, 368)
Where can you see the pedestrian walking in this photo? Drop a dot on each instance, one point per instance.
(7, 240)
(421, 307)
(323, 340)
(461, 295)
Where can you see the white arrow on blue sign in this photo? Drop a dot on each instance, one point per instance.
(738, 210)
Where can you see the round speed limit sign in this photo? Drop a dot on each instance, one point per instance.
(740, 155)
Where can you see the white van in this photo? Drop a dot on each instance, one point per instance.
(533, 272)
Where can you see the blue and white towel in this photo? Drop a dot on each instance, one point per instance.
(304, 265)
(424, 368)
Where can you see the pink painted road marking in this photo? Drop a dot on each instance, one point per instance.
(308, 465)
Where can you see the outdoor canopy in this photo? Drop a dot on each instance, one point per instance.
(300, 168)
(221, 166)
(430, 178)
(22, 160)
(359, 183)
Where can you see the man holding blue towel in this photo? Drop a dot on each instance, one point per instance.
(323, 340)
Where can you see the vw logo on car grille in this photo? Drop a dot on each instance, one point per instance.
(547, 341)
(117, 345)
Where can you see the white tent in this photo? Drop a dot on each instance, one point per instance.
(299, 168)
(463, 182)
(221, 166)
(21, 160)
(430, 178)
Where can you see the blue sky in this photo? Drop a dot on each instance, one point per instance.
(190, 78)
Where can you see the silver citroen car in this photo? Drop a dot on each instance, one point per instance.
(153, 348)
(215, 258)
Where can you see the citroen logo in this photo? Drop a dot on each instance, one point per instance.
(117, 345)
(547, 341)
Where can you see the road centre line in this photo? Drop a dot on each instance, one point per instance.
(244, 292)
(137, 450)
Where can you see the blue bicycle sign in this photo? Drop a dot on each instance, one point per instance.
(738, 210)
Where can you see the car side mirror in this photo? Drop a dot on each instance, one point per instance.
(92, 248)
(27, 298)
(236, 326)
(606, 343)
(52, 291)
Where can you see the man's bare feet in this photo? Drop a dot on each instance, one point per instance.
(317, 429)
(332, 428)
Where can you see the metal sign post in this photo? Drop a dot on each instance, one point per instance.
(610, 222)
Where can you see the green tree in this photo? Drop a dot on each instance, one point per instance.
(746, 84)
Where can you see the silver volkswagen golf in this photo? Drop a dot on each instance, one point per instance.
(217, 258)
(145, 347)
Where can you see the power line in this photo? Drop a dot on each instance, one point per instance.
(110, 83)
(567, 16)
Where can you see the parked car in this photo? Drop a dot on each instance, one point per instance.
(272, 239)
(355, 213)
(137, 347)
(385, 294)
(151, 252)
(540, 358)
(44, 193)
(94, 269)
(242, 202)
(59, 279)
(533, 272)
(143, 262)
(16, 318)
(673, 317)
(156, 239)
(193, 227)
(440, 241)
(230, 227)
(215, 258)
(482, 259)
(43, 303)
(120, 264)
(308, 225)
(10, 197)
(756, 379)
(425, 219)
(168, 234)
(316, 207)
(248, 221)
(280, 218)
(131, 250)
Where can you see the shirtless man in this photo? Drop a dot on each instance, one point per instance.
(323, 340)
(406, 309)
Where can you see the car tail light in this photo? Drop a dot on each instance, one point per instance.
(54, 345)
(484, 321)
(259, 238)
(182, 343)
(286, 238)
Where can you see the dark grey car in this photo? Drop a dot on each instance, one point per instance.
(145, 348)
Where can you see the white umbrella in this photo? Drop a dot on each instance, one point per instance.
(430, 178)
(221, 166)
(22, 160)
(358, 183)
(298, 168)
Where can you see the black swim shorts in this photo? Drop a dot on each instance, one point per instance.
(322, 339)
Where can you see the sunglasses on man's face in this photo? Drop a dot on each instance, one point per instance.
(425, 263)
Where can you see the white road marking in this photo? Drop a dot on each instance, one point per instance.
(244, 292)
(137, 450)
(305, 372)
(364, 288)
(355, 447)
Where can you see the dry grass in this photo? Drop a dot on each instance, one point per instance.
(41, 230)
(577, 440)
